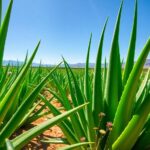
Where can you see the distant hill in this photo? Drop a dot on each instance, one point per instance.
(80, 65)
(76, 65)
(11, 62)
(16, 63)
(147, 64)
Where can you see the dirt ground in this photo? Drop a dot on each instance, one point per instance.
(55, 131)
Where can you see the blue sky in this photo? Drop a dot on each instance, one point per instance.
(64, 28)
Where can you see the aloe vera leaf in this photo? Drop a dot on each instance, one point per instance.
(56, 140)
(112, 92)
(141, 91)
(72, 147)
(4, 30)
(86, 78)
(89, 113)
(130, 57)
(98, 104)
(104, 77)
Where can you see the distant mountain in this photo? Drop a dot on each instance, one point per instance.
(147, 64)
(12, 62)
(16, 63)
(77, 65)
(80, 65)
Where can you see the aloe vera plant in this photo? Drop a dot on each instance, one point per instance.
(119, 100)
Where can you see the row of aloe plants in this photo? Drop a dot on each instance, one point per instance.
(117, 116)
(20, 90)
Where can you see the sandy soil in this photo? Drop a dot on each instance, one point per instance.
(55, 131)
